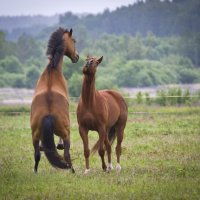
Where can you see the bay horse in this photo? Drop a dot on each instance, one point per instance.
(50, 104)
(104, 111)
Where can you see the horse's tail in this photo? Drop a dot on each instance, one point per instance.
(111, 138)
(49, 145)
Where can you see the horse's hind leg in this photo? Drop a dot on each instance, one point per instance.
(102, 135)
(65, 138)
(67, 157)
(36, 154)
(120, 133)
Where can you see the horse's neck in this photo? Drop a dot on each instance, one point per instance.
(60, 64)
(88, 91)
(53, 78)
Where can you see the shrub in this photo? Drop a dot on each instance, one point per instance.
(74, 84)
(139, 99)
(32, 77)
(11, 64)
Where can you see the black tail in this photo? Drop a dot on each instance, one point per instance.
(49, 145)
(111, 138)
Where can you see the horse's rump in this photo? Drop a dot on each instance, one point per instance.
(49, 103)
(116, 104)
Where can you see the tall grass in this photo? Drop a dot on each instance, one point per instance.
(160, 160)
(167, 97)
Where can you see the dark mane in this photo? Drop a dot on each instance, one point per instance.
(55, 48)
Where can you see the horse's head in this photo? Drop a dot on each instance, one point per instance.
(91, 65)
(69, 46)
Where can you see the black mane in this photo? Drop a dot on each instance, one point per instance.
(55, 48)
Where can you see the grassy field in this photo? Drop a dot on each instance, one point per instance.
(160, 160)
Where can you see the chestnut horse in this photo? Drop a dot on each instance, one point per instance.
(49, 109)
(104, 111)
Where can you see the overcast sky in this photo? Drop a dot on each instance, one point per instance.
(51, 7)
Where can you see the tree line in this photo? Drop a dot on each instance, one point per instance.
(140, 44)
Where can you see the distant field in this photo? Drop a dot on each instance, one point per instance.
(22, 96)
(160, 159)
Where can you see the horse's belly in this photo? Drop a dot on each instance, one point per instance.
(89, 121)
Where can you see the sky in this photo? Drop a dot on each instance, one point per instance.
(51, 7)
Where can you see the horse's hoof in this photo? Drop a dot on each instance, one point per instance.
(118, 168)
(87, 171)
(104, 167)
(60, 146)
(109, 168)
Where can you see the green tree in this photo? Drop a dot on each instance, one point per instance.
(75, 84)
(28, 47)
(11, 64)
(18, 81)
(32, 77)
(7, 48)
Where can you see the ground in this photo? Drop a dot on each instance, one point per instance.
(160, 159)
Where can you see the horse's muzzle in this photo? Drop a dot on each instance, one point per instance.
(75, 58)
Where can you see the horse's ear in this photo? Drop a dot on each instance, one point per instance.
(70, 32)
(100, 59)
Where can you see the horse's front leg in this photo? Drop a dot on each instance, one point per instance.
(108, 149)
(102, 136)
(84, 135)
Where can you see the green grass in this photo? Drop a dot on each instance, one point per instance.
(160, 160)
